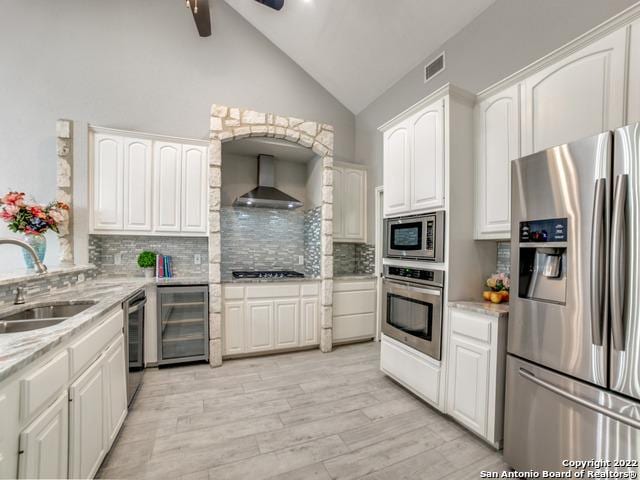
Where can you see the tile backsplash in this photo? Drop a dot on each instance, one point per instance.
(504, 257)
(261, 239)
(353, 258)
(312, 227)
(106, 250)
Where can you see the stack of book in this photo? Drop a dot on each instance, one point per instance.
(164, 267)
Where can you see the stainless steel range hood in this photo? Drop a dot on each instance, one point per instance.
(265, 195)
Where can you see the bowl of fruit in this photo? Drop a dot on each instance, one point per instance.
(498, 288)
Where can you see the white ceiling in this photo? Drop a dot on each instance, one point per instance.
(357, 49)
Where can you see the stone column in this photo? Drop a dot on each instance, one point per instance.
(64, 186)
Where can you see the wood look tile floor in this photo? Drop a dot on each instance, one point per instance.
(304, 415)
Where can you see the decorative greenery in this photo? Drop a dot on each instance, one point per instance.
(31, 218)
(499, 282)
(147, 259)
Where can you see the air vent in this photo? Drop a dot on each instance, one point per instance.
(434, 68)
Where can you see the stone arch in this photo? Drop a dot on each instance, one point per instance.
(228, 124)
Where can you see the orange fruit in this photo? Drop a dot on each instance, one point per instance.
(487, 295)
(496, 297)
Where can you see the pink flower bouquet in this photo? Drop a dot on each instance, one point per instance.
(31, 218)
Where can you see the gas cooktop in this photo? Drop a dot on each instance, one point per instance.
(267, 274)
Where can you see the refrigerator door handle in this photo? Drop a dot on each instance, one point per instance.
(581, 401)
(617, 286)
(597, 283)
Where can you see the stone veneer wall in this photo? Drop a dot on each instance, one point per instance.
(39, 284)
(353, 258)
(312, 234)
(234, 123)
(104, 248)
(261, 239)
(64, 186)
(504, 257)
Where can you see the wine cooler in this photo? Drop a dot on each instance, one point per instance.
(183, 324)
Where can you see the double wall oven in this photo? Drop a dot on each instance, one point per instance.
(412, 307)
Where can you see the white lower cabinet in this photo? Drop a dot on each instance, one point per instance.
(270, 317)
(43, 444)
(87, 435)
(116, 388)
(354, 310)
(475, 372)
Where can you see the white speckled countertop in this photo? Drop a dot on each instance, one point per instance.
(19, 349)
(228, 279)
(486, 308)
(26, 275)
(355, 276)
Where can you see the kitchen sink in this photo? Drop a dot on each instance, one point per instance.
(41, 316)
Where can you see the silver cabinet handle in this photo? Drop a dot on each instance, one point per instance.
(617, 282)
(597, 262)
(581, 401)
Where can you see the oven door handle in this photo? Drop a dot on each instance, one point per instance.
(417, 289)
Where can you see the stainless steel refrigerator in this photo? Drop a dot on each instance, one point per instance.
(573, 365)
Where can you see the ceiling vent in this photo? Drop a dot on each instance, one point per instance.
(434, 68)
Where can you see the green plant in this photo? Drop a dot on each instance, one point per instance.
(147, 259)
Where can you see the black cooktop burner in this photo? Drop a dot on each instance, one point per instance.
(268, 274)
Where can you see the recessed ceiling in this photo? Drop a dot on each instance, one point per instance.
(357, 49)
(280, 149)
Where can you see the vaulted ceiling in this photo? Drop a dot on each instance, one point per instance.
(357, 49)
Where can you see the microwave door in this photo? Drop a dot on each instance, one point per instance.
(624, 264)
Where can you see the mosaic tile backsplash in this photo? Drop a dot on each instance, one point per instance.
(312, 227)
(353, 258)
(504, 257)
(104, 250)
(261, 239)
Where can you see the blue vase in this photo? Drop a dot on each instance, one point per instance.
(39, 244)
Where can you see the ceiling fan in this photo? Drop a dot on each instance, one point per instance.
(202, 16)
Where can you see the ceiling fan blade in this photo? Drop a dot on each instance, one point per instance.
(202, 18)
(275, 4)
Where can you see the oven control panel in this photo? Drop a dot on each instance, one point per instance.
(419, 275)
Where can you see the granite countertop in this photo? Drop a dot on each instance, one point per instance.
(485, 308)
(229, 279)
(176, 281)
(17, 350)
(26, 275)
(354, 276)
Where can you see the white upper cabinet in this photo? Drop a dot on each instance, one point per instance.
(137, 184)
(578, 96)
(168, 184)
(633, 81)
(427, 158)
(497, 137)
(194, 189)
(397, 170)
(108, 181)
(148, 185)
(349, 203)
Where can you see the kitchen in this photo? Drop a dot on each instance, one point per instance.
(293, 287)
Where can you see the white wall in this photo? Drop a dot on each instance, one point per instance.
(506, 37)
(138, 65)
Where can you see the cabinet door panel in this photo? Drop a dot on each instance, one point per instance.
(579, 96)
(107, 182)
(633, 80)
(353, 211)
(310, 327)
(260, 328)
(137, 184)
(498, 142)
(234, 332)
(116, 385)
(194, 189)
(287, 321)
(87, 436)
(168, 174)
(44, 443)
(427, 158)
(468, 383)
(338, 203)
(396, 170)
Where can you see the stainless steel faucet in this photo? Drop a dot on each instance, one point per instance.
(41, 267)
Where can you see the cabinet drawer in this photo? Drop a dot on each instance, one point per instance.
(274, 291)
(354, 286)
(471, 325)
(83, 351)
(42, 384)
(233, 293)
(354, 326)
(352, 303)
(310, 289)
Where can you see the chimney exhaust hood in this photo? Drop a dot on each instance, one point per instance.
(265, 195)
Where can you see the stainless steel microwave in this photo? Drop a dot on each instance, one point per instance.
(419, 237)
